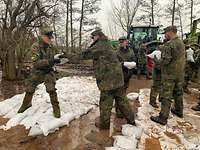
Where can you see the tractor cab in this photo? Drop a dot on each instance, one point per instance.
(144, 34)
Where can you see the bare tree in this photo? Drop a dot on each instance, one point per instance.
(151, 9)
(173, 11)
(88, 8)
(17, 20)
(180, 8)
(124, 13)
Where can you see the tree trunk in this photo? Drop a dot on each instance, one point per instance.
(9, 68)
(67, 28)
(71, 24)
(173, 12)
(191, 15)
(152, 12)
(81, 25)
(9, 63)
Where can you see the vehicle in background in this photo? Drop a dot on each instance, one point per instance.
(150, 36)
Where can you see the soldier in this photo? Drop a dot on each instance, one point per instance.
(197, 64)
(43, 62)
(157, 84)
(142, 60)
(189, 69)
(109, 78)
(125, 54)
(172, 70)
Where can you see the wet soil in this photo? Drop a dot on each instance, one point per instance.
(173, 136)
(81, 134)
(152, 144)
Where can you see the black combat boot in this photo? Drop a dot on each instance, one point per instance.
(196, 108)
(178, 106)
(26, 102)
(55, 104)
(159, 119)
(177, 113)
(164, 113)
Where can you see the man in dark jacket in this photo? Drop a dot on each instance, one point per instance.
(109, 78)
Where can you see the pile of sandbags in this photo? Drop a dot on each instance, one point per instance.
(129, 138)
(76, 95)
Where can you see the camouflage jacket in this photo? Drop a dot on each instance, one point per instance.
(42, 56)
(173, 59)
(123, 56)
(107, 68)
(197, 58)
(142, 56)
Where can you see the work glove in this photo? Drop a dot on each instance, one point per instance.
(130, 65)
(58, 56)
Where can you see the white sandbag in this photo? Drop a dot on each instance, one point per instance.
(125, 142)
(15, 121)
(114, 148)
(130, 65)
(132, 96)
(35, 130)
(189, 55)
(156, 53)
(130, 130)
(73, 100)
(63, 61)
(48, 123)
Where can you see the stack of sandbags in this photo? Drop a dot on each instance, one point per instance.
(129, 138)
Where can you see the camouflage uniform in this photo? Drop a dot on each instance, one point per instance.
(43, 61)
(189, 70)
(125, 55)
(142, 60)
(157, 84)
(109, 78)
(172, 70)
(197, 64)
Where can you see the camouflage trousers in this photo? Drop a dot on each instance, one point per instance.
(189, 70)
(106, 105)
(156, 87)
(172, 89)
(38, 77)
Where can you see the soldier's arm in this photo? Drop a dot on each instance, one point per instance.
(89, 52)
(39, 63)
(166, 55)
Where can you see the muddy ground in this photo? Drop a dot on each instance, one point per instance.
(81, 134)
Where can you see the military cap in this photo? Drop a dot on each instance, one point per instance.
(170, 28)
(122, 38)
(97, 31)
(46, 30)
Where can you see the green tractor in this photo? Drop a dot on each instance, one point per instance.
(147, 34)
(150, 37)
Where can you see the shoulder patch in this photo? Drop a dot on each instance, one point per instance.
(34, 47)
